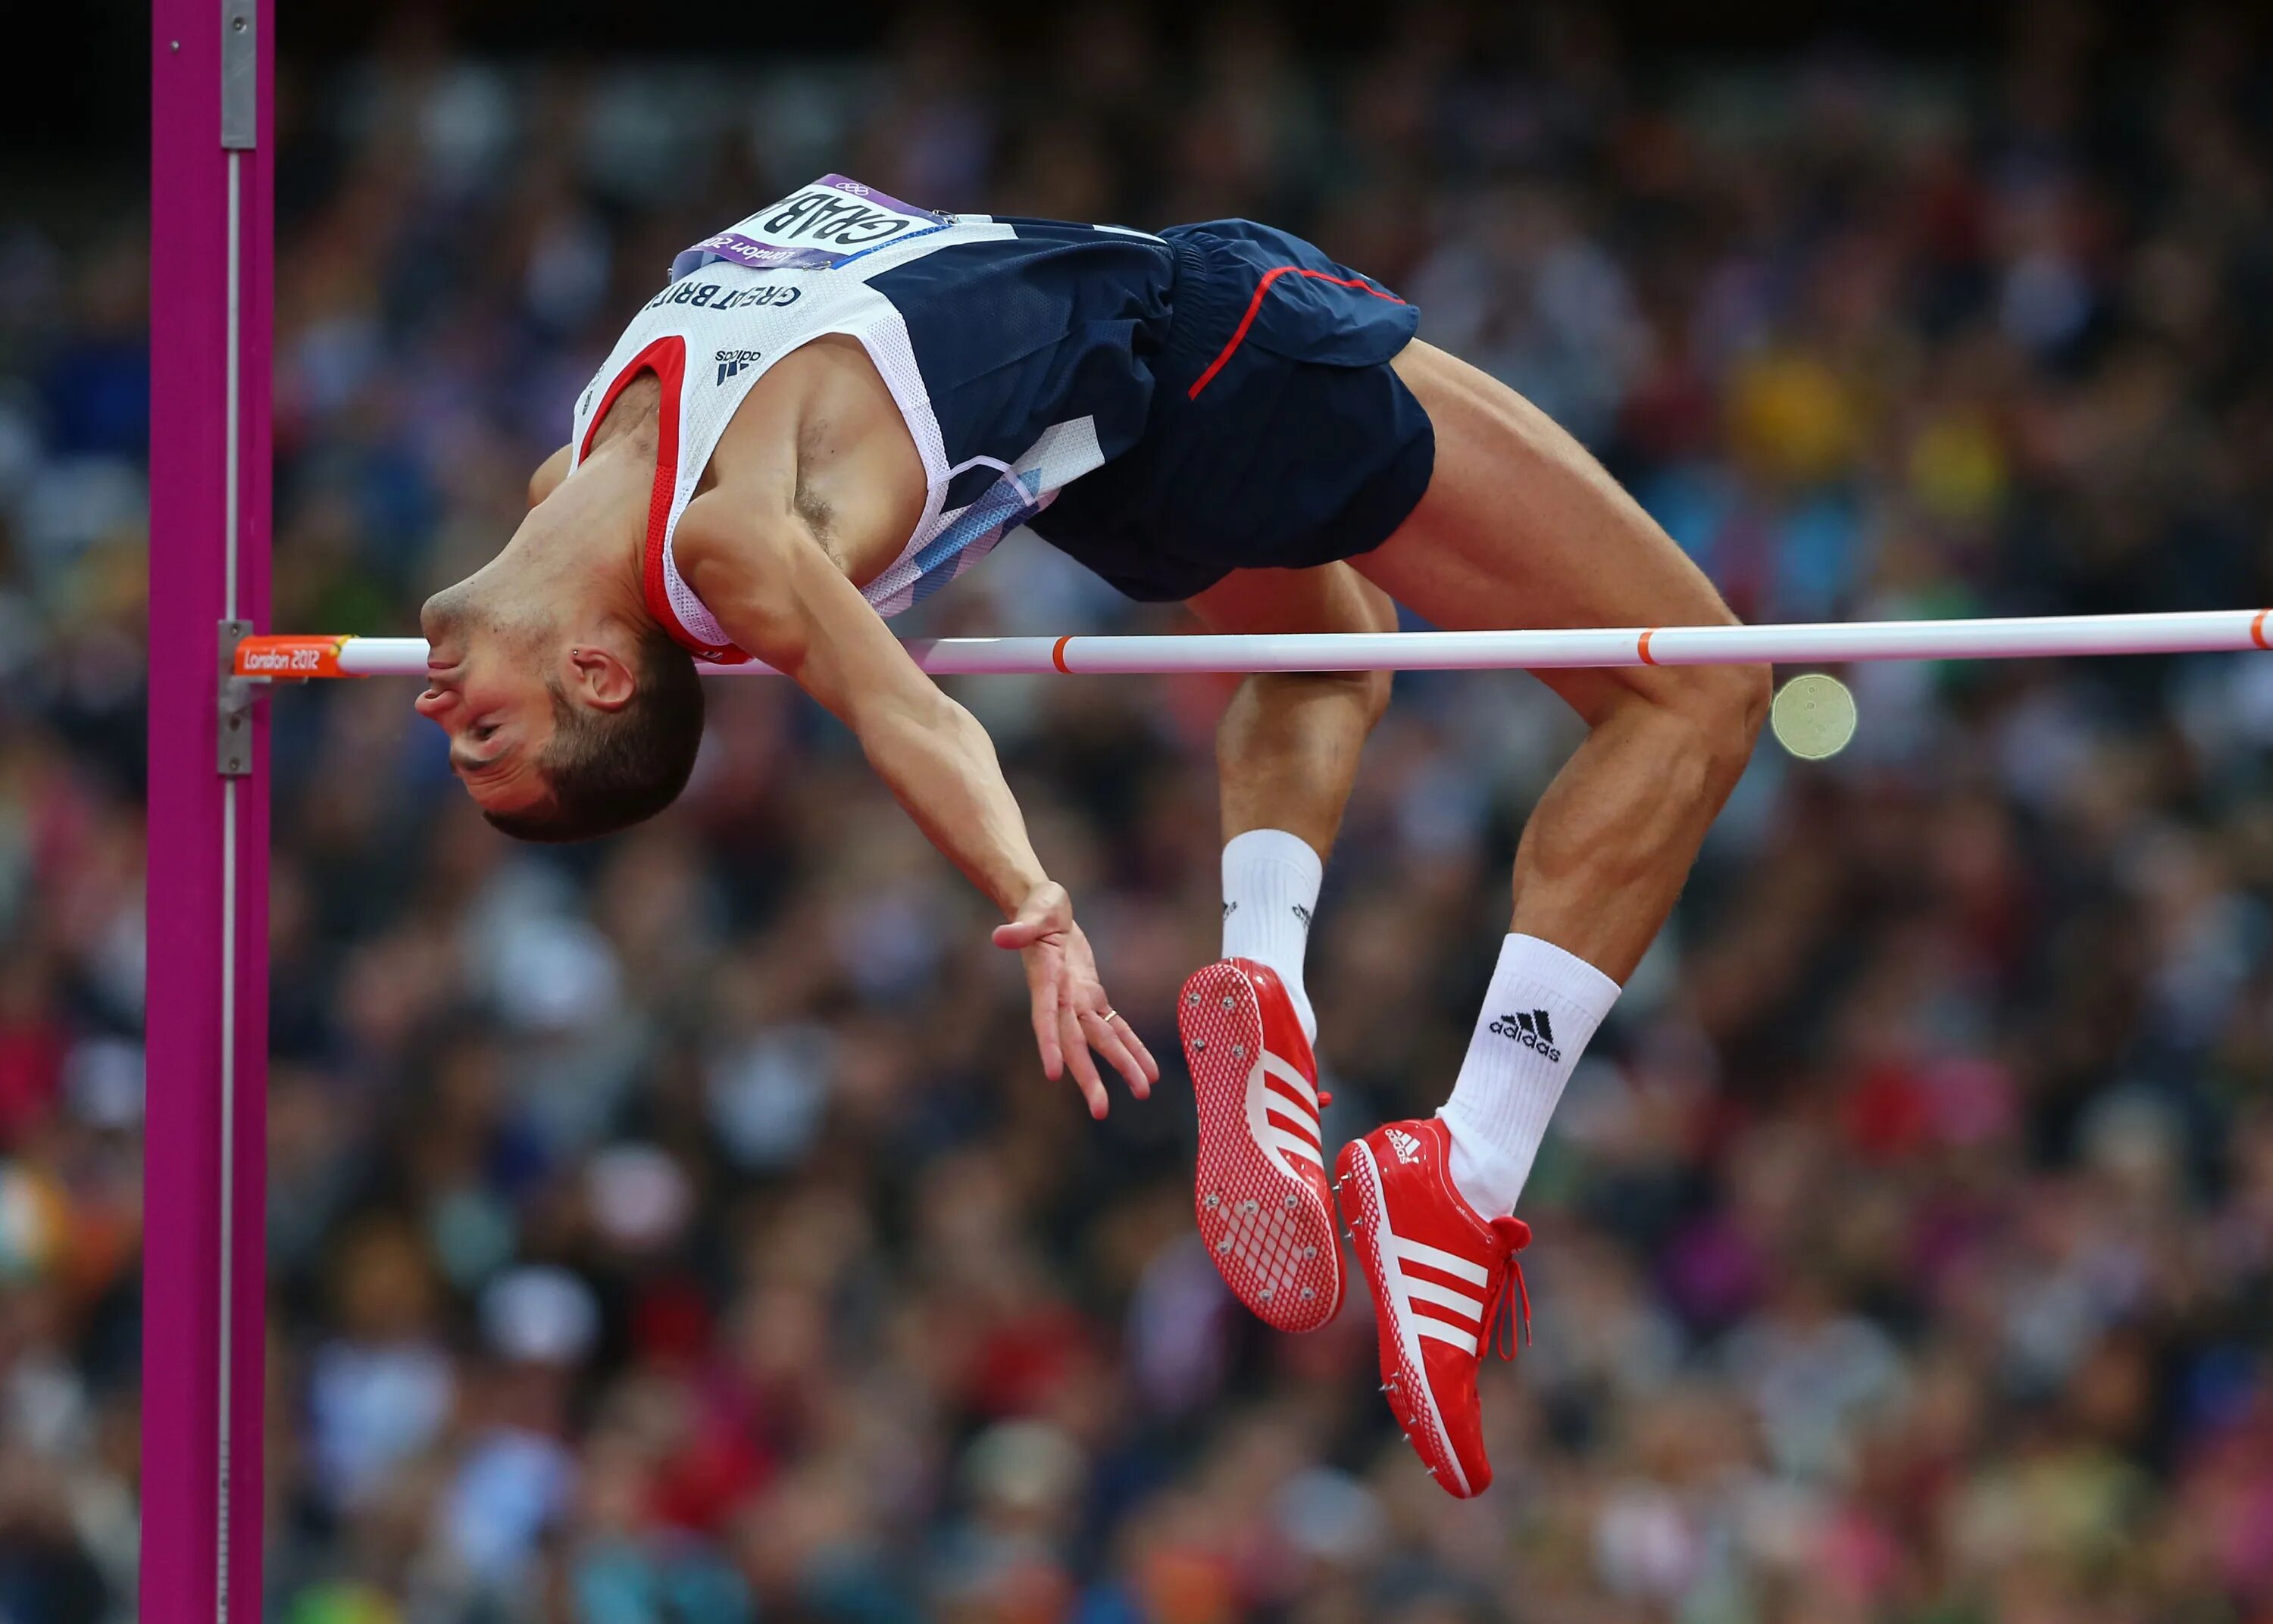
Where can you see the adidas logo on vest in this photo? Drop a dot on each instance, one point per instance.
(1533, 1031)
(730, 362)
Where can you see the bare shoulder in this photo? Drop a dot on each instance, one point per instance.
(820, 437)
(823, 396)
(548, 474)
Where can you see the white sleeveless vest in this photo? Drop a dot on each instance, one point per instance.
(739, 303)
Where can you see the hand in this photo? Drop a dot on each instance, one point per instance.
(1072, 1016)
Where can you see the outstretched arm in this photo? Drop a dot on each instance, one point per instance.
(780, 596)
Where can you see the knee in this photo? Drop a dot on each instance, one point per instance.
(1368, 690)
(1373, 694)
(1725, 707)
(1290, 693)
(1367, 693)
(1712, 716)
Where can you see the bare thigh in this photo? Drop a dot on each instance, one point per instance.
(1332, 597)
(1521, 527)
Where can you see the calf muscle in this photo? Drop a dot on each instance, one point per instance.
(1287, 747)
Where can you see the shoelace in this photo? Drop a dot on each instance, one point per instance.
(1511, 1309)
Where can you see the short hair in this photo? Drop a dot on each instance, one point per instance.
(607, 770)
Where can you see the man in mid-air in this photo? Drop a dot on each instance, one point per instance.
(840, 404)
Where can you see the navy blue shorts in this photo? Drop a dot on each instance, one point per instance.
(1279, 437)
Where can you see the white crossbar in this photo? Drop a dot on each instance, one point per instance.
(1830, 643)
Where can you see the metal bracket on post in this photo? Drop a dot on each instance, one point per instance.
(232, 713)
(240, 79)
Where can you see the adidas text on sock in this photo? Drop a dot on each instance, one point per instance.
(1539, 1015)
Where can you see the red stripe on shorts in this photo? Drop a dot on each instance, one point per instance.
(1254, 304)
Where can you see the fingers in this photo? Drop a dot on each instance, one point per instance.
(1114, 1039)
(1047, 1036)
(1143, 1055)
(1071, 1012)
(1078, 1062)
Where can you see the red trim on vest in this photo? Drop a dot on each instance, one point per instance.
(1239, 335)
(666, 358)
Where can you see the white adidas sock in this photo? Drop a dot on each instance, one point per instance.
(1270, 891)
(1542, 1009)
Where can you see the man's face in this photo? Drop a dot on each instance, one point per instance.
(487, 688)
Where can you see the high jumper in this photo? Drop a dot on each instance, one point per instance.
(841, 402)
(834, 407)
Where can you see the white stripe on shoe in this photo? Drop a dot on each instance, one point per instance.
(1286, 1076)
(1283, 1124)
(1465, 1341)
(1294, 1144)
(1452, 1316)
(1275, 1089)
(1470, 1309)
(1444, 1263)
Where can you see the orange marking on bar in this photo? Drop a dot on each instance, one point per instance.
(2257, 629)
(1642, 647)
(1057, 654)
(288, 656)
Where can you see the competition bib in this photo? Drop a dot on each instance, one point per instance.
(817, 226)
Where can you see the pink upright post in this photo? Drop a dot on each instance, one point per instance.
(203, 1281)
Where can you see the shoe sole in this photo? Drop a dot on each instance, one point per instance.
(1270, 1234)
(1365, 1207)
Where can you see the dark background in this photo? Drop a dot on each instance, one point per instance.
(94, 114)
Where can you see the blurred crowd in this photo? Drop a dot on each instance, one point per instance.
(680, 1231)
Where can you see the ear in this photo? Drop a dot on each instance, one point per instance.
(600, 677)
